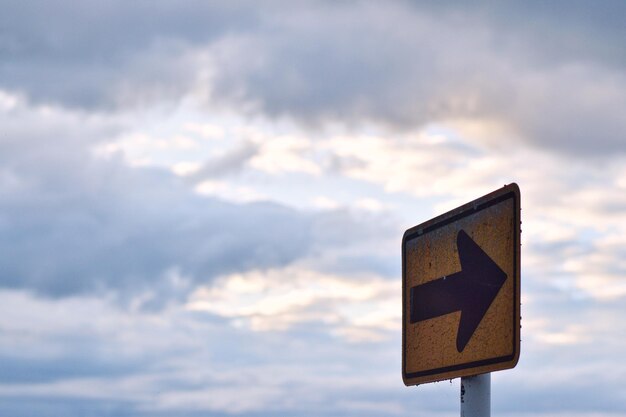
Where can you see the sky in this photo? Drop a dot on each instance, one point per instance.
(202, 203)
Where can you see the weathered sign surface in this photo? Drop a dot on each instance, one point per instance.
(461, 290)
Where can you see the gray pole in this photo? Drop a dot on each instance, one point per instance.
(476, 396)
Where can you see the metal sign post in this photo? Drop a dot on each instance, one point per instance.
(476, 396)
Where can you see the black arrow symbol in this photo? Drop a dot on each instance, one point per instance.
(472, 290)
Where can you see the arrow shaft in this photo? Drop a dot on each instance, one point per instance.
(436, 298)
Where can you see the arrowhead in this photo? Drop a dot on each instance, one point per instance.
(482, 279)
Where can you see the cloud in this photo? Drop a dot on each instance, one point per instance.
(359, 309)
(200, 366)
(403, 65)
(229, 162)
(349, 63)
(97, 55)
(74, 223)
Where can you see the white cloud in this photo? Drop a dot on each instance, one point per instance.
(9, 101)
(371, 204)
(284, 154)
(229, 192)
(325, 203)
(206, 130)
(185, 168)
(279, 299)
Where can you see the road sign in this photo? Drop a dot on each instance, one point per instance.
(461, 290)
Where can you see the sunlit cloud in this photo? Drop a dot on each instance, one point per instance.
(280, 299)
(285, 154)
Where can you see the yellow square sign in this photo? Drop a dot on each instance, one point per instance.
(461, 290)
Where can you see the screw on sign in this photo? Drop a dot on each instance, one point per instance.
(461, 290)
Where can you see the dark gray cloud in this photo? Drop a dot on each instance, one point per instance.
(408, 66)
(553, 73)
(87, 54)
(559, 32)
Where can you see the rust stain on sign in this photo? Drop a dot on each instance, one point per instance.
(461, 290)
